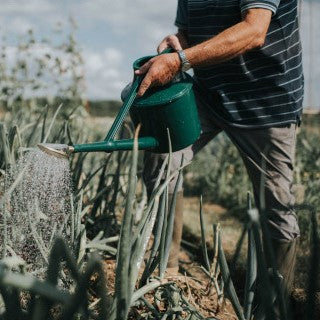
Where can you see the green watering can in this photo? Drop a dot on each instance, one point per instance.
(170, 108)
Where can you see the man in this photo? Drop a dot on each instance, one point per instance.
(246, 57)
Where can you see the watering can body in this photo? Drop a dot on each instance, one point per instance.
(169, 111)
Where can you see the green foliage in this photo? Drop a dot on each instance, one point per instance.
(103, 184)
(44, 295)
(104, 108)
(308, 165)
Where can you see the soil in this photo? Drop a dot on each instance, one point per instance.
(299, 302)
(231, 227)
(194, 284)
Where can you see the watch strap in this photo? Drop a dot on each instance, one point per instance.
(185, 64)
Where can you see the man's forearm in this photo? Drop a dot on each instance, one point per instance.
(236, 40)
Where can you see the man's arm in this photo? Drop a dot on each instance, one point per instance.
(234, 41)
(246, 35)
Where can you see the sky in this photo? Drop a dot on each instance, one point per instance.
(113, 33)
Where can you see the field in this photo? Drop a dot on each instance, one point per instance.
(105, 204)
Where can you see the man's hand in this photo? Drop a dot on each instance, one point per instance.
(159, 71)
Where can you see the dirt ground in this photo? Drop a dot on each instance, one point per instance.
(194, 284)
(231, 229)
(191, 279)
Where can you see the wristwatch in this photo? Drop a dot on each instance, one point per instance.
(185, 64)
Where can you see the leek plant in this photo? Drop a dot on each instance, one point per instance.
(108, 217)
(135, 234)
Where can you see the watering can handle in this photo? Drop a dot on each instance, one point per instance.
(127, 104)
(167, 50)
(124, 109)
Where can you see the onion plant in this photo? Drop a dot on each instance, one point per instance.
(110, 218)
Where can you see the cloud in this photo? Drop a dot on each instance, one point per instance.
(147, 21)
(16, 17)
(103, 73)
(26, 7)
(122, 16)
(20, 25)
(124, 13)
(132, 28)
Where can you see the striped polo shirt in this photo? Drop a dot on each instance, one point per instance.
(261, 88)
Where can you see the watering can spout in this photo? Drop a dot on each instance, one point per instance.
(62, 151)
(57, 150)
(144, 143)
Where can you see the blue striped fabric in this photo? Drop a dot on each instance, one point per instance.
(263, 87)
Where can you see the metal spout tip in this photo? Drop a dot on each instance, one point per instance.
(57, 150)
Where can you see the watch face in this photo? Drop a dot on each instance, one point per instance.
(186, 66)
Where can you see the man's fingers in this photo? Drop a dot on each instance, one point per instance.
(144, 86)
(170, 42)
(174, 43)
(162, 46)
(144, 69)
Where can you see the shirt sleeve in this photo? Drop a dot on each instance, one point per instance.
(264, 4)
(182, 15)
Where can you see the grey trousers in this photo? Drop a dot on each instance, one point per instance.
(266, 152)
